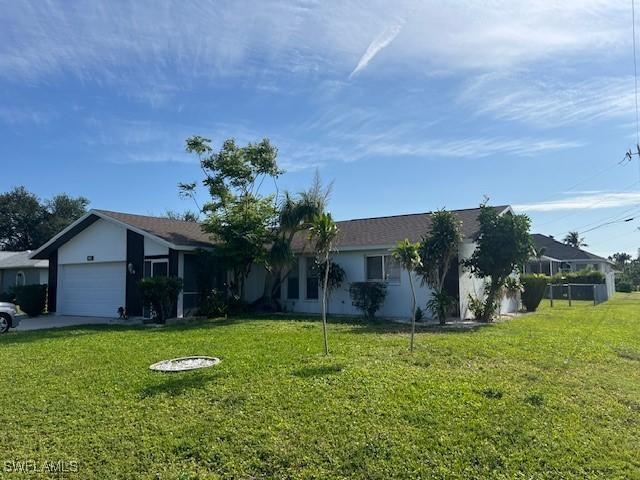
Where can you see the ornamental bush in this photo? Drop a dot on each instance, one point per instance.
(534, 286)
(368, 297)
(32, 299)
(161, 294)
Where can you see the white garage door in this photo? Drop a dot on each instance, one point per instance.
(93, 289)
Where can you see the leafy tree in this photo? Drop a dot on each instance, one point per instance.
(62, 210)
(323, 231)
(237, 214)
(503, 246)
(573, 239)
(26, 222)
(437, 250)
(629, 271)
(408, 256)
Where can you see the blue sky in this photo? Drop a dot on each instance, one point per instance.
(407, 106)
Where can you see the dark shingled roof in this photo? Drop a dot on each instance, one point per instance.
(359, 233)
(386, 231)
(561, 251)
(178, 232)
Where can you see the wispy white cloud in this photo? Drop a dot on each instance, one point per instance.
(381, 41)
(470, 147)
(104, 40)
(550, 103)
(592, 201)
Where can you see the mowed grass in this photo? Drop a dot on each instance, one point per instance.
(554, 394)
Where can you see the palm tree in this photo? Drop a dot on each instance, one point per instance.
(324, 231)
(539, 253)
(408, 256)
(295, 214)
(574, 239)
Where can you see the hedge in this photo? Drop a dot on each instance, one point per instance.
(32, 299)
(624, 286)
(582, 277)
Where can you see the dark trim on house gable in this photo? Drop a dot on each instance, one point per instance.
(44, 254)
(135, 257)
(52, 286)
(173, 272)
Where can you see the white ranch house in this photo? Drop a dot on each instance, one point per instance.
(96, 263)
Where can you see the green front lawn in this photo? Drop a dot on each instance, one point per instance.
(551, 395)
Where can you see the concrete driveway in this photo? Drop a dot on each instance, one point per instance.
(58, 321)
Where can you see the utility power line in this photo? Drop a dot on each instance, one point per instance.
(593, 204)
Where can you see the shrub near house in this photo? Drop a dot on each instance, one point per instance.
(368, 297)
(161, 294)
(32, 299)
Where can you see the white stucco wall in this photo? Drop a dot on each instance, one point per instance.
(254, 285)
(103, 240)
(397, 302)
(151, 247)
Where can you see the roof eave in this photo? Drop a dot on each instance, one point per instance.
(43, 252)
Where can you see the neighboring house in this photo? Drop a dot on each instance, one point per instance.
(96, 263)
(16, 268)
(559, 257)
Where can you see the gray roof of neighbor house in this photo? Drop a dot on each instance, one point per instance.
(178, 232)
(561, 251)
(387, 231)
(20, 260)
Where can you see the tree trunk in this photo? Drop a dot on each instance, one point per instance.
(489, 305)
(324, 306)
(413, 312)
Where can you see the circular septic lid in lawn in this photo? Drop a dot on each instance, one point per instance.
(184, 363)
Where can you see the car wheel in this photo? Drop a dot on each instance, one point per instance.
(4, 323)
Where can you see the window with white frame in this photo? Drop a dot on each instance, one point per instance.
(20, 279)
(382, 268)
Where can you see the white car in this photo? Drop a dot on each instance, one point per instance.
(8, 317)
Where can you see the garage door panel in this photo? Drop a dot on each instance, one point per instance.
(96, 289)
